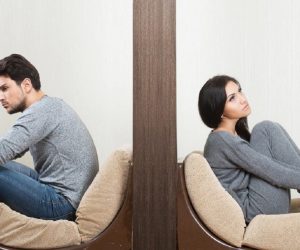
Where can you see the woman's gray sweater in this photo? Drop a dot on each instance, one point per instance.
(234, 162)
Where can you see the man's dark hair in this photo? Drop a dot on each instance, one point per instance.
(18, 68)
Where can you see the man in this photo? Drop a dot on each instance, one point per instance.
(64, 155)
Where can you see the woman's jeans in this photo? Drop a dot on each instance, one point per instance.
(21, 190)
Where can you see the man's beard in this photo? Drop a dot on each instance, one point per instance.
(19, 108)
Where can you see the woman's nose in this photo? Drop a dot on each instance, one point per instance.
(242, 98)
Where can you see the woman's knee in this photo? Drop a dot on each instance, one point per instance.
(265, 126)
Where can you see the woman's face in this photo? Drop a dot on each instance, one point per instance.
(236, 105)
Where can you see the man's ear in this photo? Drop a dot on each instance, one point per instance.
(26, 85)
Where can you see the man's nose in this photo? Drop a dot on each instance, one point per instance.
(1, 96)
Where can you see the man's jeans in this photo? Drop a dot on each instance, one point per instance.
(21, 190)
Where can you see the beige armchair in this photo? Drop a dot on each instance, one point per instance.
(209, 218)
(103, 218)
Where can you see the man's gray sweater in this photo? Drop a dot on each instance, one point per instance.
(62, 149)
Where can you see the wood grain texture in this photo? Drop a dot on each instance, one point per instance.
(154, 129)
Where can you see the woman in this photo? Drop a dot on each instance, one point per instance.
(257, 169)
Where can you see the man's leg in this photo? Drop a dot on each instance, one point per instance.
(28, 196)
(20, 168)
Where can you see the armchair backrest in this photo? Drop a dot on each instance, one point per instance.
(212, 203)
(104, 197)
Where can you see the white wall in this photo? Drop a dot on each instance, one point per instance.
(83, 51)
(255, 41)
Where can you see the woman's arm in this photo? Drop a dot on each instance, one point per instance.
(241, 154)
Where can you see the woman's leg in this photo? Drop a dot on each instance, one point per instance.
(272, 140)
(21, 191)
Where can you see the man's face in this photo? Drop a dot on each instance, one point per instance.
(12, 95)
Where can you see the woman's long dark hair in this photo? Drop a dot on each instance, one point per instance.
(211, 103)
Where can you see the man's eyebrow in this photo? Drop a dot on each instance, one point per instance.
(3, 85)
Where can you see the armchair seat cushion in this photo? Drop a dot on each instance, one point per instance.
(18, 230)
(274, 232)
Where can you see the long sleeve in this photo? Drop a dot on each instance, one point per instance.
(29, 128)
(240, 153)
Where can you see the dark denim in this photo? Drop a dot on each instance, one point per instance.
(21, 190)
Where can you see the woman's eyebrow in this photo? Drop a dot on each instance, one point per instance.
(239, 88)
(230, 95)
